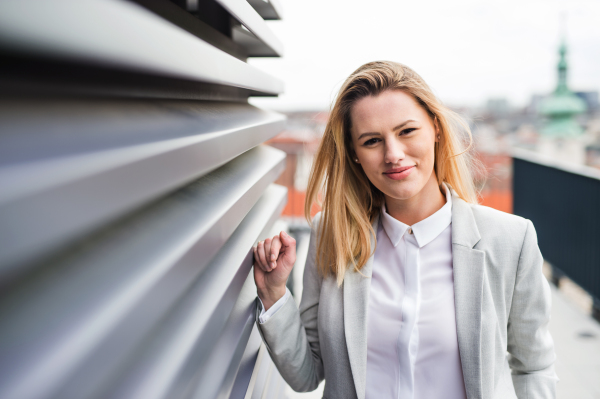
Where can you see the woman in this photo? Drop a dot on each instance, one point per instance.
(411, 289)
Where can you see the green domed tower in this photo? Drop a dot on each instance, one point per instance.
(562, 106)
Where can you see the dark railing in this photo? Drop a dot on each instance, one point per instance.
(563, 202)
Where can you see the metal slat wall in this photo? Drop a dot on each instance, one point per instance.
(133, 184)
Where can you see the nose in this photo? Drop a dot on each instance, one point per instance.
(394, 152)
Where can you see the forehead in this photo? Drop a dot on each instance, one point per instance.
(385, 111)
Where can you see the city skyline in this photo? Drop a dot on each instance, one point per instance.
(467, 51)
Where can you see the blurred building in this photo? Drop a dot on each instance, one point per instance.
(554, 186)
(494, 181)
(590, 98)
(562, 135)
(499, 107)
(300, 141)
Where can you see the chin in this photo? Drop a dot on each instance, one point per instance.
(401, 191)
(401, 196)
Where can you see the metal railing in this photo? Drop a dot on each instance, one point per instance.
(563, 202)
(133, 185)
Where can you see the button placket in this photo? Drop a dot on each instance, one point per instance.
(409, 338)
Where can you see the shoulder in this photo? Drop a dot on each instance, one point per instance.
(314, 233)
(315, 225)
(497, 227)
(316, 220)
(310, 267)
(486, 216)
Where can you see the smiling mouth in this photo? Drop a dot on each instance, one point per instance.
(399, 173)
(397, 170)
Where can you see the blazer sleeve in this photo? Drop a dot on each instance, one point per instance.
(530, 346)
(291, 334)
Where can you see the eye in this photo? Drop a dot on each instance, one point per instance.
(407, 131)
(371, 141)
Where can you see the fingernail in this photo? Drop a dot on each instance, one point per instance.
(284, 233)
(272, 256)
(273, 265)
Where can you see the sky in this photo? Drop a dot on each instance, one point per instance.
(466, 50)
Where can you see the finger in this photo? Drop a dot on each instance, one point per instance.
(261, 255)
(275, 248)
(257, 263)
(256, 259)
(268, 253)
(290, 246)
(260, 250)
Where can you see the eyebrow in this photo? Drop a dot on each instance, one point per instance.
(400, 126)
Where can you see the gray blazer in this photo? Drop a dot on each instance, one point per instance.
(502, 304)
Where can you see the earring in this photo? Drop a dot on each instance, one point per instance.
(439, 137)
(356, 160)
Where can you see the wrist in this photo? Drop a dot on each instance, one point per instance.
(269, 296)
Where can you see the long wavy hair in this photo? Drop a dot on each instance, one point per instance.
(350, 202)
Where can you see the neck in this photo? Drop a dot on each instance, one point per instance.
(412, 210)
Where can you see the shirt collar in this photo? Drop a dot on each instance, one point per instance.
(426, 230)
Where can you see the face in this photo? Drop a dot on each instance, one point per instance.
(394, 140)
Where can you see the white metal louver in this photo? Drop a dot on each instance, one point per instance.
(133, 184)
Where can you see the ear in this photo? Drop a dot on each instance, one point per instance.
(352, 153)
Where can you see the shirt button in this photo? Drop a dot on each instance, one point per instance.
(410, 230)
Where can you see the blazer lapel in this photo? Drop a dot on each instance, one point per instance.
(468, 264)
(356, 297)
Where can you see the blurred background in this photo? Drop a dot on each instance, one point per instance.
(526, 76)
(146, 146)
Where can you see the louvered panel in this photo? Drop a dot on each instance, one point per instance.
(217, 373)
(246, 39)
(264, 374)
(275, 388)
(247, 16)
(259, 374)
(271, 388)
(122, 34)
(268, 9)
(219, 368)
(132, 274)
(132, 188)
(243, 377)
(78, 177)
(178, 13)
(180, 348)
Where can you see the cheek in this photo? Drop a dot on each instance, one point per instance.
(370, 161)
(425, 152)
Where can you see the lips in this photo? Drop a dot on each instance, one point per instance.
(399, 173)
(398, 170)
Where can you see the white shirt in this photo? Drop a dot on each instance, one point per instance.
(412, 346)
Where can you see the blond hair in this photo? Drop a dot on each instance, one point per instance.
(350, 201)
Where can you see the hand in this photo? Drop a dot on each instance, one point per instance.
(273, 262)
